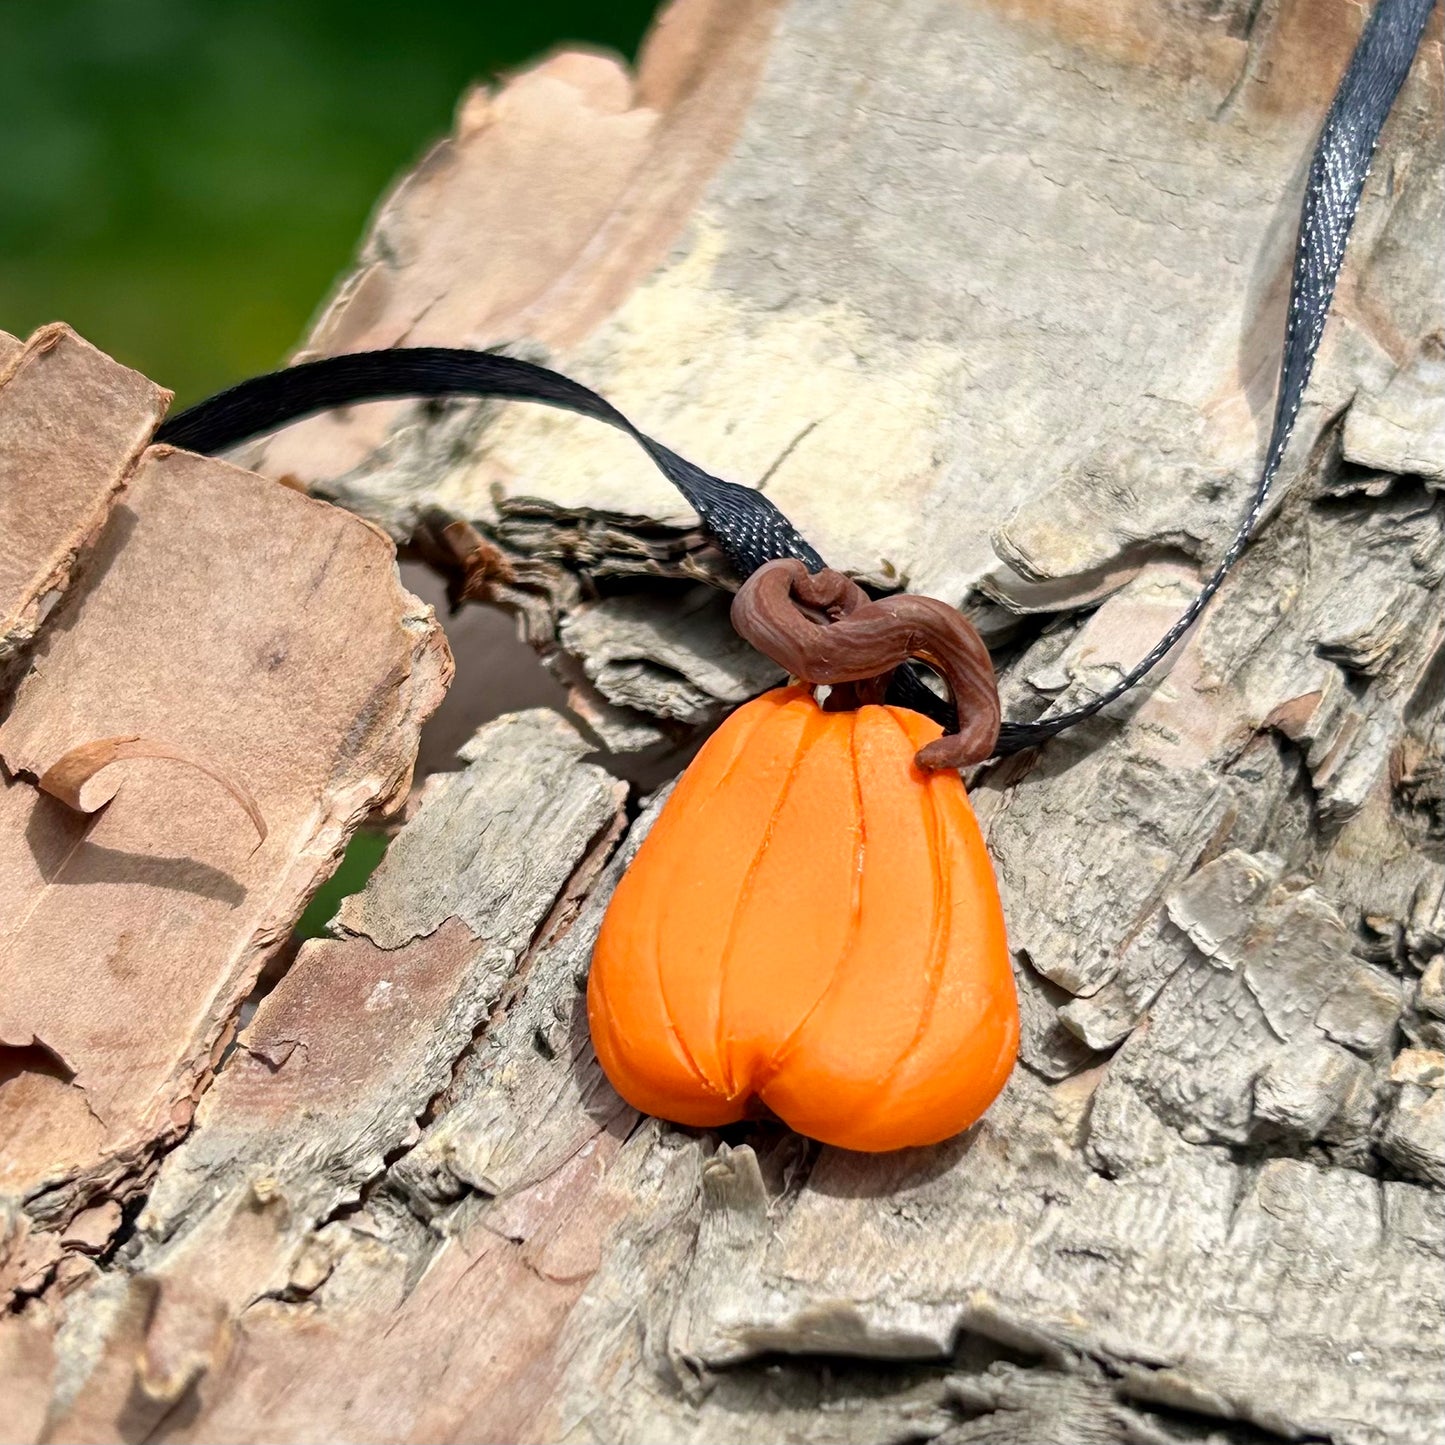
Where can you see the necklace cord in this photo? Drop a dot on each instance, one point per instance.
(747, 525)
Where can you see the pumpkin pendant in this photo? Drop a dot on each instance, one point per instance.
(813, 926)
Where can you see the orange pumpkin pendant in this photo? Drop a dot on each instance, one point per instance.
(812, 924)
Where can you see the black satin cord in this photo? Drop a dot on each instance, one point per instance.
(746, 525)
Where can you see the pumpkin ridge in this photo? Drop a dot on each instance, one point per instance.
(942, 931)
(605, 1016)
(737, 759)
(855, 922)
(813, 729)
(675, 857)
(686, 1052)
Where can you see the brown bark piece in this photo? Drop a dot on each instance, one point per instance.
(61, 463)
(70, 776)
(267, 635)
(27, 1369)
(1022, 181)
(344, 1056)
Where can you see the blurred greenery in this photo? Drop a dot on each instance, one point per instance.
(363, 855)
(183, 179)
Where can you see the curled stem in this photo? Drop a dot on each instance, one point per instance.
(824, 628)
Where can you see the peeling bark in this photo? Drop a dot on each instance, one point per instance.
(60, 467)
(218, 618)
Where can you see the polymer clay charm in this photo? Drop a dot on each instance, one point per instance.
(812, 927)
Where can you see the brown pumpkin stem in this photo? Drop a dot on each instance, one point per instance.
(824, 628)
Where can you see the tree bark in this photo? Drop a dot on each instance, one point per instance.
(988, 297)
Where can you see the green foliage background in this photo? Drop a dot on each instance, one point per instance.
(181, 180)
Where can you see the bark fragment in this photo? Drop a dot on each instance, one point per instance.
(207, 616)
(60, 466)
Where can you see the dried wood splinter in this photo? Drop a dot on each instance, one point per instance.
(67, 776)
